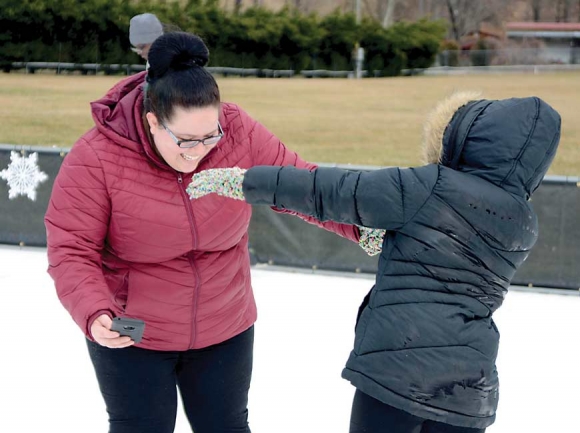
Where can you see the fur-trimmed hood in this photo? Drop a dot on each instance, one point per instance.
(509, 142)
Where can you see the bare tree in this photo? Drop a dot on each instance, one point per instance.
(373, 8)
(466, 16)
(465, 11)
(554, 10)
(389, 16)
(536, 10)
(453, 17)
(563, 8)
(322, 6)
(382, 11)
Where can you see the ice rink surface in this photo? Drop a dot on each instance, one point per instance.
(304, 334)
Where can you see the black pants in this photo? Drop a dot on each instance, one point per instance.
(373, 416)
(140, 386)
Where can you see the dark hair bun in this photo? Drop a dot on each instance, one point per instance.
(176, 51)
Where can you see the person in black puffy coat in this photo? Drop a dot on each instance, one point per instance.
(455, 232)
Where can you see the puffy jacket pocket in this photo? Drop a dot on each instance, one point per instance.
(119, 286)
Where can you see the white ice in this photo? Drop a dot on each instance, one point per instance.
(303, 336)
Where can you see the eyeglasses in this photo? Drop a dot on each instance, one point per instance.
(186, 144)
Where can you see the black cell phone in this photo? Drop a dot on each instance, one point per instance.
(130, 327)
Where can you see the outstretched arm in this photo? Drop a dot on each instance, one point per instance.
(228, 182)
(366, 198)
(380, 199)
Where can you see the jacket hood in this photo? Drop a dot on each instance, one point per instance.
(118, 115)
(509, 142)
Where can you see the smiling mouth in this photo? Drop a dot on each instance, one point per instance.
(189, 158)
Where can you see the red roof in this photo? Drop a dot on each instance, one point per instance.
(534, 26)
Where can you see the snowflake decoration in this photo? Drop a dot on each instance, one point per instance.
(23, 175)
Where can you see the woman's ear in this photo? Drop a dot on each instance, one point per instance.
(153, 122)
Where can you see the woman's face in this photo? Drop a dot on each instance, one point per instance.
(185, 125)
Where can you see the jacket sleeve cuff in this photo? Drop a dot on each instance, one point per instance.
(92, 318)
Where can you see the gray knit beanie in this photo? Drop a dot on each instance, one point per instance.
(144, 29)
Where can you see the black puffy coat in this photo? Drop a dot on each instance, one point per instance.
(456, 234)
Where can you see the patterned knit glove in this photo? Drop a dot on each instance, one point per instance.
(226, 182)
(371, 240)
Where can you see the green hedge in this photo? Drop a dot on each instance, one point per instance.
(96, 31)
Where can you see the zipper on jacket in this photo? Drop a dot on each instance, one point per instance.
(190, 258)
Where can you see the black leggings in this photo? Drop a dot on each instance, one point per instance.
(373, 416)
(140, 386)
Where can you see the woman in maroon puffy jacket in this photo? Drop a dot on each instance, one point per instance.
(124, 240)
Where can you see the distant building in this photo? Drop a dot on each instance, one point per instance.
(561, 41)
(486, 32)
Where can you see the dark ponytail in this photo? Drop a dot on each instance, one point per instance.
(176, 76)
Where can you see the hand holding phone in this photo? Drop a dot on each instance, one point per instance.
(101, 332)
(130, 327)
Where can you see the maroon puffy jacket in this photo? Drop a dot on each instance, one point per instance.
(124, 238)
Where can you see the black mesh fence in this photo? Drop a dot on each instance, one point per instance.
(555, 260)
(286, 240)
(21, 217)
